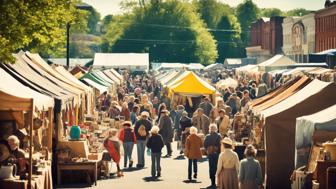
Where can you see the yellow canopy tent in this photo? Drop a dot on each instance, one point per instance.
(192, 85)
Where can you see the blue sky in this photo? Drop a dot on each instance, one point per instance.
(106, 7)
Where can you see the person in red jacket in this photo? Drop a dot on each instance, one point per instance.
(127, 137)
(112, 145)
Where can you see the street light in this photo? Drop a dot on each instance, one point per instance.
(81, 7)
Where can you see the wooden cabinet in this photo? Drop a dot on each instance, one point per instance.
(320, 173)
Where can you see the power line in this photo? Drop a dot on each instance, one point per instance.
(158, 41)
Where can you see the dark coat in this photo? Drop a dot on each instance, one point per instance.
(144, 122)
(155, 143)
(166, 129)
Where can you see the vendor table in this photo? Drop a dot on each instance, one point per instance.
(43, 181)
(74, 166)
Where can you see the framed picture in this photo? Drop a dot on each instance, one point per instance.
(7, 128)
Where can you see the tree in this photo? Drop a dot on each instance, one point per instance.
(93, 19)
(223, 25)
(170, 31)
(271, 12)
(33, 25)
(298, 12)
(247, 13)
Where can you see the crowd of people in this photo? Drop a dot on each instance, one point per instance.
(149, 120)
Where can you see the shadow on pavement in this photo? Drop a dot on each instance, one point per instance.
(192, 181)
(132, 169)
(203, 159)
(152, 179)
(210, 187)
(180, 157)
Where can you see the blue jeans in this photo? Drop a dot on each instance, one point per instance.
(128, 149)
(156, 167)
(141, 145)
(192, 163)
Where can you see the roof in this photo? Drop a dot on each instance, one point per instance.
(326, 52)
(195, 66)
(306, 126)
(233, 61)
(192, 85)
(73, 61)
(98, 86)
(276, 62)
(214, 66)
(280, 121)
(172, 66)
(13, 87)
(121, 60)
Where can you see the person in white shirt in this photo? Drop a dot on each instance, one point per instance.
(227, 167)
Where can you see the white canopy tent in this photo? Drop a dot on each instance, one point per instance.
(132, 61)
(275, 63)
(11, 86)
(305, 128)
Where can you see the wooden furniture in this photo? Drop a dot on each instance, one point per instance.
(331, 178)
(43, 181)
(321, 172)
(90, 166)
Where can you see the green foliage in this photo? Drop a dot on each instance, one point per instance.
(224, 27)
(170, 31)
(298, 12)
(247, 13)
(271, 12)
(33, 25)
(93, 19)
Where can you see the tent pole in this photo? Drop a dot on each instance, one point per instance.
(30, 145)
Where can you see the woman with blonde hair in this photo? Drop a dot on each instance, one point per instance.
(227, 166)
(193, 151)
(250, 176)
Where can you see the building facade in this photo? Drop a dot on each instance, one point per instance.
(299, 37)
(325, 29)
(265, 38)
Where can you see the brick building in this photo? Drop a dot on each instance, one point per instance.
(325, 29)
(265, 38)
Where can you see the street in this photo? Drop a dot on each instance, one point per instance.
(174, 175)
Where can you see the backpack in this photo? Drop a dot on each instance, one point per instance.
(142, 131)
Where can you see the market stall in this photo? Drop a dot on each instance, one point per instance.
(279, 125)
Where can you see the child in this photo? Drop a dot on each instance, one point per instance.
(127, 136)
(155, 143)
(112, 145)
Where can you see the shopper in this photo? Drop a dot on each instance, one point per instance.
(155, 144)
(193, 151)
(212, 145)
(112, 145)
(250, 176)
(166, 131)
(127, 137)
(141, 129)
(227, 167)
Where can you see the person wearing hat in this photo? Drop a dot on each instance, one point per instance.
(193, 151)
(155, 143)
(141, 129)
(227, 167)
(127, 137)
(166, 131)
(185, 124)
(223, 122)
(250, 175)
